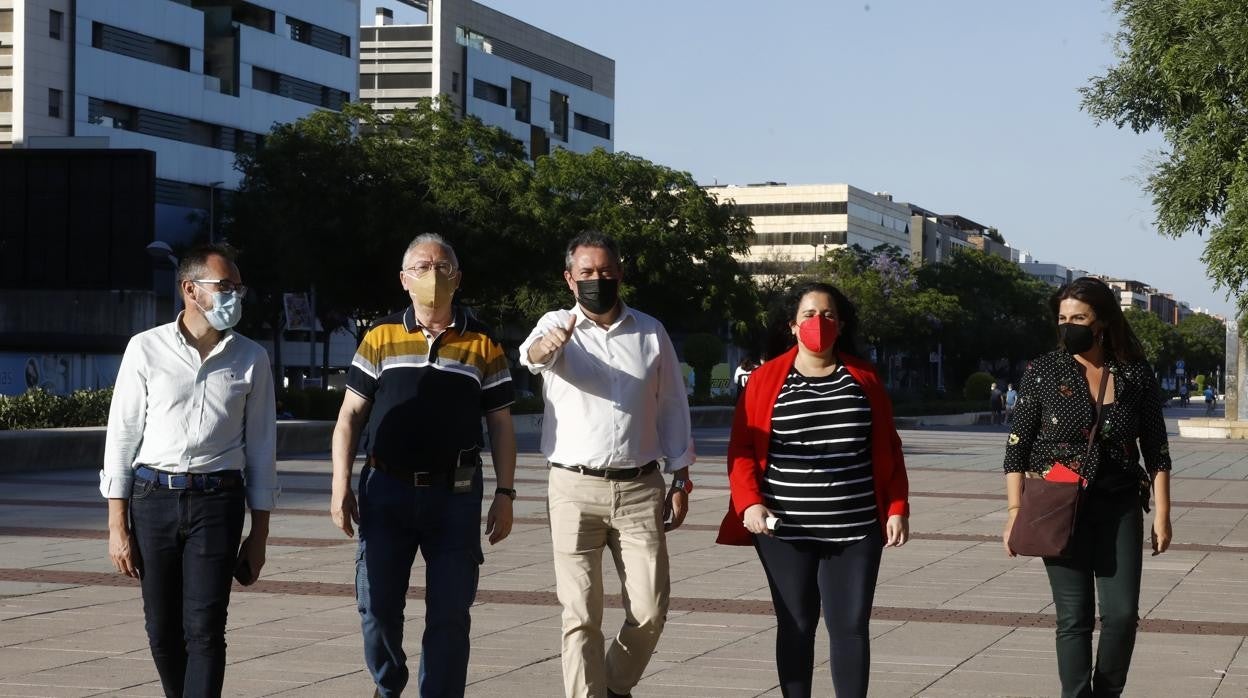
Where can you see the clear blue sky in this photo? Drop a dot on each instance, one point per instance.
(959, 106)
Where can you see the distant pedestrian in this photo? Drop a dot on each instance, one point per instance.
(1183, 394)
(996, 403)
(1211, 399)
(742, 375)
(1011, 400)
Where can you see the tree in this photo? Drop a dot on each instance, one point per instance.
(1183, 70)
(702, 352)
(1160, 339)
(1203, 343)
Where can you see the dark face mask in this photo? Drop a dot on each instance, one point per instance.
(598, 296)
(1075, 339)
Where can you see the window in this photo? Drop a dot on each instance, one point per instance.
(54, 103)
(521, 99)
(489, 92)
(454, 83)
(6, 71)
(140, 46)
(404, 81)
(592, 126)
(56, 23)
(6, 100)
(6, 20)
(559, 115)
(318, 37)
(802, 208)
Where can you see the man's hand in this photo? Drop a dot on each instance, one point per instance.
(251, 555)
(898, 529)
(551, 342)
(498, 521)
(124, 551)
(343, 510)
(675, 508)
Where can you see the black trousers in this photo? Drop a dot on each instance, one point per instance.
(804, 575)
(1105, 562)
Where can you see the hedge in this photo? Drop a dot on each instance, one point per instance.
(36, 409)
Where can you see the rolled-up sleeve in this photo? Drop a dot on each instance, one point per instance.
(127, 418)
(260, 433)
(675, 431)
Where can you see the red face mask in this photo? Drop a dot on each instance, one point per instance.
(817, 333)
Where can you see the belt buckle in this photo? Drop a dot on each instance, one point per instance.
(187, 482)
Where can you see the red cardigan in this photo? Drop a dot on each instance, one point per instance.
(751, 434)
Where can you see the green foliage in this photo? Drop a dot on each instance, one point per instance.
(1200, 381)
(1183, 71)
(978, 387)
(702, 351)
(1203, 342)
(36, 409)
(1161, 340)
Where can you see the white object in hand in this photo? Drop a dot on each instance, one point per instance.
(772, 522)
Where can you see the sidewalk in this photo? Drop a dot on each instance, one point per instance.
(953, 617)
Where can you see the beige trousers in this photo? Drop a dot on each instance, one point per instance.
(588, 514)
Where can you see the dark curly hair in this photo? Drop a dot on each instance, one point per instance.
(1119, 341)
(846, 313)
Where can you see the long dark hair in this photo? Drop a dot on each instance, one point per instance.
(1119, 341)
(846, 313)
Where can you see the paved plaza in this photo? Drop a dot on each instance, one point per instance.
(953, 617)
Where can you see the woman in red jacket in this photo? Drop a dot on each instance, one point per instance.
(818, 488)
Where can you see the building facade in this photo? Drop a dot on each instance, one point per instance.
(797, 224)
(544, 90)
(194, 81)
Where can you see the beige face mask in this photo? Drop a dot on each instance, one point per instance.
(433, 290)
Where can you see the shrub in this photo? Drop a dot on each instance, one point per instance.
(36, 409)
(311, 403)
(978, 386)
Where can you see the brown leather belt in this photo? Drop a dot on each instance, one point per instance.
(413, 478)
(610, 473)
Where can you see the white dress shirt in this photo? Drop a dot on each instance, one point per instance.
(173, 412)
(614, 396)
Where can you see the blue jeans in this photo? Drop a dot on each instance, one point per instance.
(188, 546)
(396, 520)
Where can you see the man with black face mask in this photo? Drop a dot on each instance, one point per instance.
(615, 407)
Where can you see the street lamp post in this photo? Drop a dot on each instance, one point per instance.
(162, 253)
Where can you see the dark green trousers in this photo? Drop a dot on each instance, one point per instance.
(1104, 562)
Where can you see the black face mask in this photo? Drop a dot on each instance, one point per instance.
(598, 296)
(1076, 339)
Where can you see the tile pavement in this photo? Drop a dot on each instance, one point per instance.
(954, 616)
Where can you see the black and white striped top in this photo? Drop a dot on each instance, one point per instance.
(818, 480)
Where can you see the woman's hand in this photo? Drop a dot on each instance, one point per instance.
(755, 520)
(1005, 535)
(1161, 532)
(897, 529)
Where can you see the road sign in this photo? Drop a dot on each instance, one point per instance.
(1180, 365)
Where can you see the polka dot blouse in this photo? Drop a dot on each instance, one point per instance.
(1055, 414)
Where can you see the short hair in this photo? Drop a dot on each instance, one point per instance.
(846, 313)
(1119, 341)
(194, 262)
(592, 238)
(434, 239)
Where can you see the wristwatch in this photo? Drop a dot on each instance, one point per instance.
(685, 484)
(509, 491)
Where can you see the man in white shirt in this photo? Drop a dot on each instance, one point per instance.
(191, 443)
(615, 406)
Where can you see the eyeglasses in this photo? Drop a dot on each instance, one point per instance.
(225, 286)
(419, 269)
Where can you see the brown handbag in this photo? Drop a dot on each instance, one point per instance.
(1048, 511)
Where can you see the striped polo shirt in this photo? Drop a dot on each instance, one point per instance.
(819, 479)
(428, 398)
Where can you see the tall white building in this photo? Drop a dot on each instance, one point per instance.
(192, 80)
(546, 91)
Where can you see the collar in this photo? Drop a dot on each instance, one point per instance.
(180, 339)
(625, 314)
(459, 319)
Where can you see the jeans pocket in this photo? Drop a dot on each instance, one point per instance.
(141, 488)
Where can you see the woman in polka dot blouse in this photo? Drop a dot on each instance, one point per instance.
(1055, 414)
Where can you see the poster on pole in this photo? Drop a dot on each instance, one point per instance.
(298, 311)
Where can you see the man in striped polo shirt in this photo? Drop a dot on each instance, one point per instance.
(418, 387)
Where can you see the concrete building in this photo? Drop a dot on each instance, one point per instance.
(546, 91)
(933, 239)
(194, 81)
(1050, 273)
(794, 225)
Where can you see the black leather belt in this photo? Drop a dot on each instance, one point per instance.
(611, 473)
(195, 482)
(413, 478)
